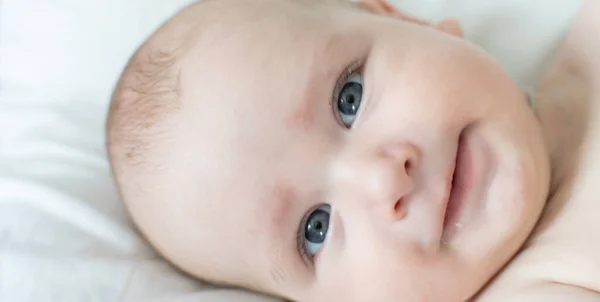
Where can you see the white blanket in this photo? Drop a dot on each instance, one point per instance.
(64, 235)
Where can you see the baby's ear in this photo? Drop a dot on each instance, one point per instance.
(451, 26)
(383, 7)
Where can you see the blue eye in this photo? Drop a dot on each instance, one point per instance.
(315, 229)
(349, 99)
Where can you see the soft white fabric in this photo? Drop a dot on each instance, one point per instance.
(64, 235)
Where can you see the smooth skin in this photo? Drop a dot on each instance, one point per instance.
(423, 192)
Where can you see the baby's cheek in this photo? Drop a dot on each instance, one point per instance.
(363, 274)
(302, 117)
(512, 201)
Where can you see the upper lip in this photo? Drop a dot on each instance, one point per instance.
(450, 182)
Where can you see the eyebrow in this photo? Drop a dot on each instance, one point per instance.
(276, 265)
(283, 258)
(318, 75)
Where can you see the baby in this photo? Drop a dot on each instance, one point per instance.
(324, 150)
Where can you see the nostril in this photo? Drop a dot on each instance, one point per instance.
(408, 165)
(398, 205)
(399, 209)
(401, 153)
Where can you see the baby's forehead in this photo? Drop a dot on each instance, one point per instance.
(244, 21)
(235, 69)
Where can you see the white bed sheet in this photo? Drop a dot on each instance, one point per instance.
(64, 235)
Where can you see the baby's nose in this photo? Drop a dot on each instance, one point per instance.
(399, 163)
(383, 178)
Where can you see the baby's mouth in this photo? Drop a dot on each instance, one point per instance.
(459, 182)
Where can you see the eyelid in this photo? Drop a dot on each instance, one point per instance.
(344, 76)
(300, 245)
(356, 66)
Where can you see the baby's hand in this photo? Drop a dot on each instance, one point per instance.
(383, 7)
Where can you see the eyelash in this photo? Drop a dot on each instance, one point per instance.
(300, 240)
(301, 246)
(344, 76)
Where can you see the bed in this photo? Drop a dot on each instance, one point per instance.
(64, 234)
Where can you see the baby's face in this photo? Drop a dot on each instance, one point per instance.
(329, 154)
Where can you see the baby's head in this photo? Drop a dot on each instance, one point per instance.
(326, 151)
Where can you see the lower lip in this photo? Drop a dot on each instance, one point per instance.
(462, 181)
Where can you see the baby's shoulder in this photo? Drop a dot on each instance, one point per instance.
(564, 248)
(563, 253)
(562, 256)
